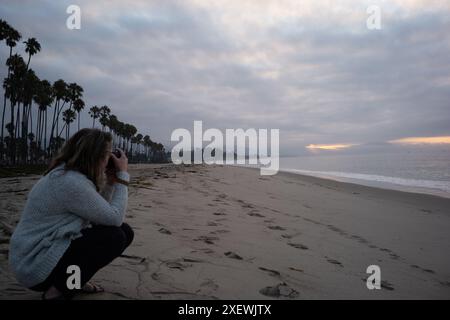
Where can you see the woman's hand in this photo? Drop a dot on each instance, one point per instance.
(121, 164)
(110, 176)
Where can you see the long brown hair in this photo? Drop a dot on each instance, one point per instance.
(84, 152)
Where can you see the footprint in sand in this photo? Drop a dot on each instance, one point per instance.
(204, 250)
(276, 228)
(255, 213)
(161, 277)
(192, 260)
(272, 272)
(391, 253)
(177, 264)
(394, 256)
(164, 230)
(232, 255)
(386, 285)
(207, 239)
(220, 231)
(207, 287)
(298, 246)
(140, 259)
(245, 204)
(333, 261)
(359, 239)
(280, 290)
(422, 269)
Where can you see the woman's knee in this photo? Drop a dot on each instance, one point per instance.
(129, 233)
(113, 239)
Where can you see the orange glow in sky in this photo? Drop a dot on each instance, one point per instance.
(328, 146)
(423, 140)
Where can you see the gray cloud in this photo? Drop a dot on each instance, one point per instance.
(163, 64)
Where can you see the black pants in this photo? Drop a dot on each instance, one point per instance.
(97, 247)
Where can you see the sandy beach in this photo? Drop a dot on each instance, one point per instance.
(218, 232)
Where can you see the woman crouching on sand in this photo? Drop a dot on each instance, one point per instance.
(73, 217)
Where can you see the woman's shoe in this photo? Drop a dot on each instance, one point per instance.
(58, 297)
(90, 287)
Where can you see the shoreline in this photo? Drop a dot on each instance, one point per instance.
(380, 184)
(358, 185)
(367, 183)
(223, 232)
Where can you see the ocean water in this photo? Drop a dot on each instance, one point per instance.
(422, 170)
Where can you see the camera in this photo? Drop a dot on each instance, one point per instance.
(110, 164)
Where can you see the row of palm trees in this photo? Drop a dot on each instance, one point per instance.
(24, 92)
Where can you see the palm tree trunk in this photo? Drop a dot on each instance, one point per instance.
(11, 134)
(62, 129)
(31, 128)
(3, 125)
(28, 63)
(55, 111)
(38, 127)
(4, 99)
(17, 121)
(23, 136)
(45, 132)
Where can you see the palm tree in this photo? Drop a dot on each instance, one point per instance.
(60, 93)
(13, 91)
(78, 105)
(105, 111)
(4, 26)
(74, 92)
(139, 141)
(94, 112)
(11, 36)
(112, 124)
(129, 131)
(120, 129)
(43, 98)
(68, 117)
(32, 47)
(147, 143)
(30, 87)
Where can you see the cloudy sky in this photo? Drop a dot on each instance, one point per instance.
(309, 68)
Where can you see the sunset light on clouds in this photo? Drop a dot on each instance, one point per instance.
(423, 140)
(328, 146)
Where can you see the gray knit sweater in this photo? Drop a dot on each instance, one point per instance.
(58, 207)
